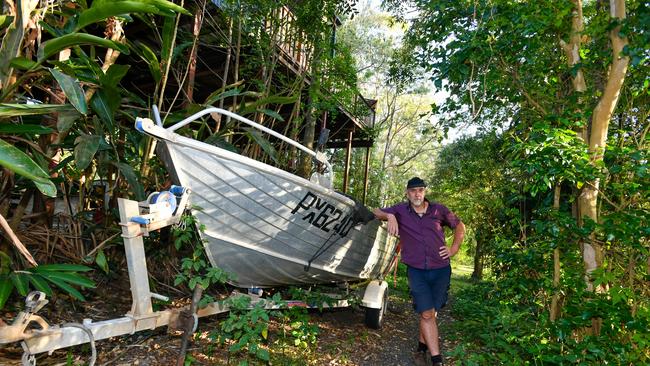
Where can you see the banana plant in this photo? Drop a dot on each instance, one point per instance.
(81, 121)
(80, 78)
(42, 278)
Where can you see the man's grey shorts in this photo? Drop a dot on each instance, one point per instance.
(429, 287)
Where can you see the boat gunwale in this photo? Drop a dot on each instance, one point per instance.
(175, 138)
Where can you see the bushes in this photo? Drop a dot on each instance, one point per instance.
(498, 322)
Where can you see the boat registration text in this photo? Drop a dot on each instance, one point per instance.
(323, 215)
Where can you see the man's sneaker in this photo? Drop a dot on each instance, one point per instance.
(437, 361)
(421, 358)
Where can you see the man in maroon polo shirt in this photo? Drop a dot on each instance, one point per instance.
(420, 226)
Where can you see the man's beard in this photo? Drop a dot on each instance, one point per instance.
(417, 202)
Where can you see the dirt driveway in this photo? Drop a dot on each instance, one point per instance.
(343, 340)
(358, 345)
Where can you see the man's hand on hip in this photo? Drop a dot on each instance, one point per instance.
(446, 252)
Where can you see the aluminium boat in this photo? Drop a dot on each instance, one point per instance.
(268, 227)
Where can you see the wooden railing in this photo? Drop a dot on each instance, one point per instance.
(294, 48)
(289, 39)
(363, 111)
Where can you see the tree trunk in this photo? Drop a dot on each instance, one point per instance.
(191, 75)
(150, 144)
(226, 70)
(236, 68)
(592, 252)
(311, 115)
(587, 202)
(392, 102)
(309, 126)
(572, 49)
(555, 301)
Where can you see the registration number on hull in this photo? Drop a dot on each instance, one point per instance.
(323, 215)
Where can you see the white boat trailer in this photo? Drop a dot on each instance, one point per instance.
(137, 220)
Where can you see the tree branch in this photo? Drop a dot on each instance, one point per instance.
(529, 98)
(14, 239)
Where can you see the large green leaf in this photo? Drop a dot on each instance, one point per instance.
(22, 63)
(66, 119)
(15, 110)
(21, 281)
(54, 32)
(219, 94)
(67, 288)
(24, 129)
(58, 44)
(72, 90)
(114, 75)
(61, 267)
(85, 148)
(5, 263)
(18, 162)
(12, 39)
(272, 113)
(149, 56)
(47, 188)
(168, 6)
(168, 37)
(272, 99)
(40, 284)
(263, 142)
(5, 20)
(134, 182)
(101, 261)
(101, 104)
(6, 287)
(70, 277)
(102, 10)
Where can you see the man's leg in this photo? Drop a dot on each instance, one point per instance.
(429, 331)
(422, 299)
(439, 280)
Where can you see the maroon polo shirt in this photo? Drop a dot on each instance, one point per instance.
(422, 237)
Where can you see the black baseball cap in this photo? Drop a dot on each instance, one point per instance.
(415, 182)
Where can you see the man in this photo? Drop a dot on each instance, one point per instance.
(420, 226)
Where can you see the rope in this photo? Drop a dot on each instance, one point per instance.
(320, 251)
(358, 216)
(93, 356)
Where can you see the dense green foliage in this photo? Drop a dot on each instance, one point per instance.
(69, 100)
(75, 74)
(502, 67)
(517, 184)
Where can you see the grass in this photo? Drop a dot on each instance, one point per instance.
(461, 277)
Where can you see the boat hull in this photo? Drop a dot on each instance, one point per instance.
(268, 227)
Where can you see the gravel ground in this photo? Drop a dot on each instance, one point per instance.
(393, 344)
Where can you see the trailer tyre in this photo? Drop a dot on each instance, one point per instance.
(374, 317)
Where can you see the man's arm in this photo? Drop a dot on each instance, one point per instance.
(393, 228)
(459, 234)
(381, 215)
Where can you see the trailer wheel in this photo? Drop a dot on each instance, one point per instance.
(374, 317)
